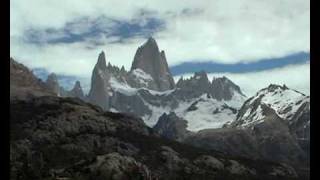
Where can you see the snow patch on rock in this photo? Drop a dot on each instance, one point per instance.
(210, 113)
(143, 77)
(254, 118)
(122, 88)
(285, 102)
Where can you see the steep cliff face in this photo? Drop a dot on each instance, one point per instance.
(220, 88)
(53, 84)
(197, 85)
(100, 86)
(172, 127)
(224, 88)
(151, 61)
(77, 91)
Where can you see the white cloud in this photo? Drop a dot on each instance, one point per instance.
(294, 76)
(226, 31)
(230, 31)
(56, 58)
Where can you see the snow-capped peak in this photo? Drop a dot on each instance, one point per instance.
(283, 100)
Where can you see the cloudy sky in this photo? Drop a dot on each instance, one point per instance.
(254, 42)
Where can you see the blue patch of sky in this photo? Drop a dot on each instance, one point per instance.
(94, 28)
(263, 64)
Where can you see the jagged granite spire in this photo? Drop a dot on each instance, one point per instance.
(197, 85)
(101, 63)
(220, 88)
(77, 90)
(153, 62)
(172, 127)
(53, 84)
(100, 83)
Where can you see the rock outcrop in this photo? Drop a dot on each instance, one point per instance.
(172, 127)
(53, 84)
(195, 86)
(151, 61)
(220, 88)
(224, 88)
(100, 86)
(77, 91)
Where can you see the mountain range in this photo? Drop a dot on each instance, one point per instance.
(197, 127)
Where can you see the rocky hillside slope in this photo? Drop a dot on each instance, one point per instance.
(24, 84)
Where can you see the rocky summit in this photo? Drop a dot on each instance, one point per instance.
(150, 60)
(77, 91)
(172, 127)
(220, 88)
(149, 70)
(100, 83)
(53, 84)
(224, 88)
